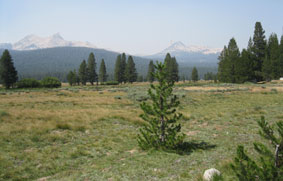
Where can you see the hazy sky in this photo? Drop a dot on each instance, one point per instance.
(140, 27)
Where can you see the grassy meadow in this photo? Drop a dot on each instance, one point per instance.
(89, 133)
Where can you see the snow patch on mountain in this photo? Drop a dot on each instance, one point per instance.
(32, 42)
(179, 47)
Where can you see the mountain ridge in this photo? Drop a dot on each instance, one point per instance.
(33, 42)
(190, 55)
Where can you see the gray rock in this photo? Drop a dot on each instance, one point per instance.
(208, 174)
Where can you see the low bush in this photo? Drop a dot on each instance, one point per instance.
(50, 82)
(110, 83)
(28, 83)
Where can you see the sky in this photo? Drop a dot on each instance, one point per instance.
(140, 27)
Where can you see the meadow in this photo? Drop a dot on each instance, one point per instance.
(89, 132)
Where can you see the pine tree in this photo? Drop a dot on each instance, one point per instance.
(123, 68)
(171, 68)
(270, 163)
(150, 72)
(83, 72)
(118, 76)
(168, 66)
(195, 74)
(259, 46)
(71, 77)
(161, 130)
(8, 73)
(250, 61)
(183, 78)
(175, 70)
(233, 56)
(227, 66)
(91, 68)
(281, 57)
(223, 66)
(271, 64)
(131, 72)
(244, 67)
(102, 72)
(77, 77)
(140, 78)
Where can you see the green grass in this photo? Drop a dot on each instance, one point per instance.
(89, 133)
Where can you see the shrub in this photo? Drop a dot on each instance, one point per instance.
(110, 83)
(28, 83)
(50, 82)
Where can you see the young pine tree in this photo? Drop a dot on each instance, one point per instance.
(270, 162)
(102, 72)
(162, 130)
(8, 73)
(195, 75)
(91, 69)
(83, 72)
(150, 72)
(131, 72)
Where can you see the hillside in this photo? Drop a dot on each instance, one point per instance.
(59, 60)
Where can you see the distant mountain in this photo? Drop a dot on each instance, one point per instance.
(32, 42)
(38, 57)
(59, 61)
(189, 55)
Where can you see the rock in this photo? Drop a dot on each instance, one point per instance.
(208, 174)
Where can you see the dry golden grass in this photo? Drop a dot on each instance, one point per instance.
(89, 133)
(45, 109)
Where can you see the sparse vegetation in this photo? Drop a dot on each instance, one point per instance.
(99, 138)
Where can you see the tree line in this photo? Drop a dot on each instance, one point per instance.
(87, 72)
(125, 70)
(261, 60)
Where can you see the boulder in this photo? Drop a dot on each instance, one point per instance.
(208, 174)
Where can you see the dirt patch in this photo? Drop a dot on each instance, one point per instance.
(205, 88)
(132, 151)
(191, 133)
